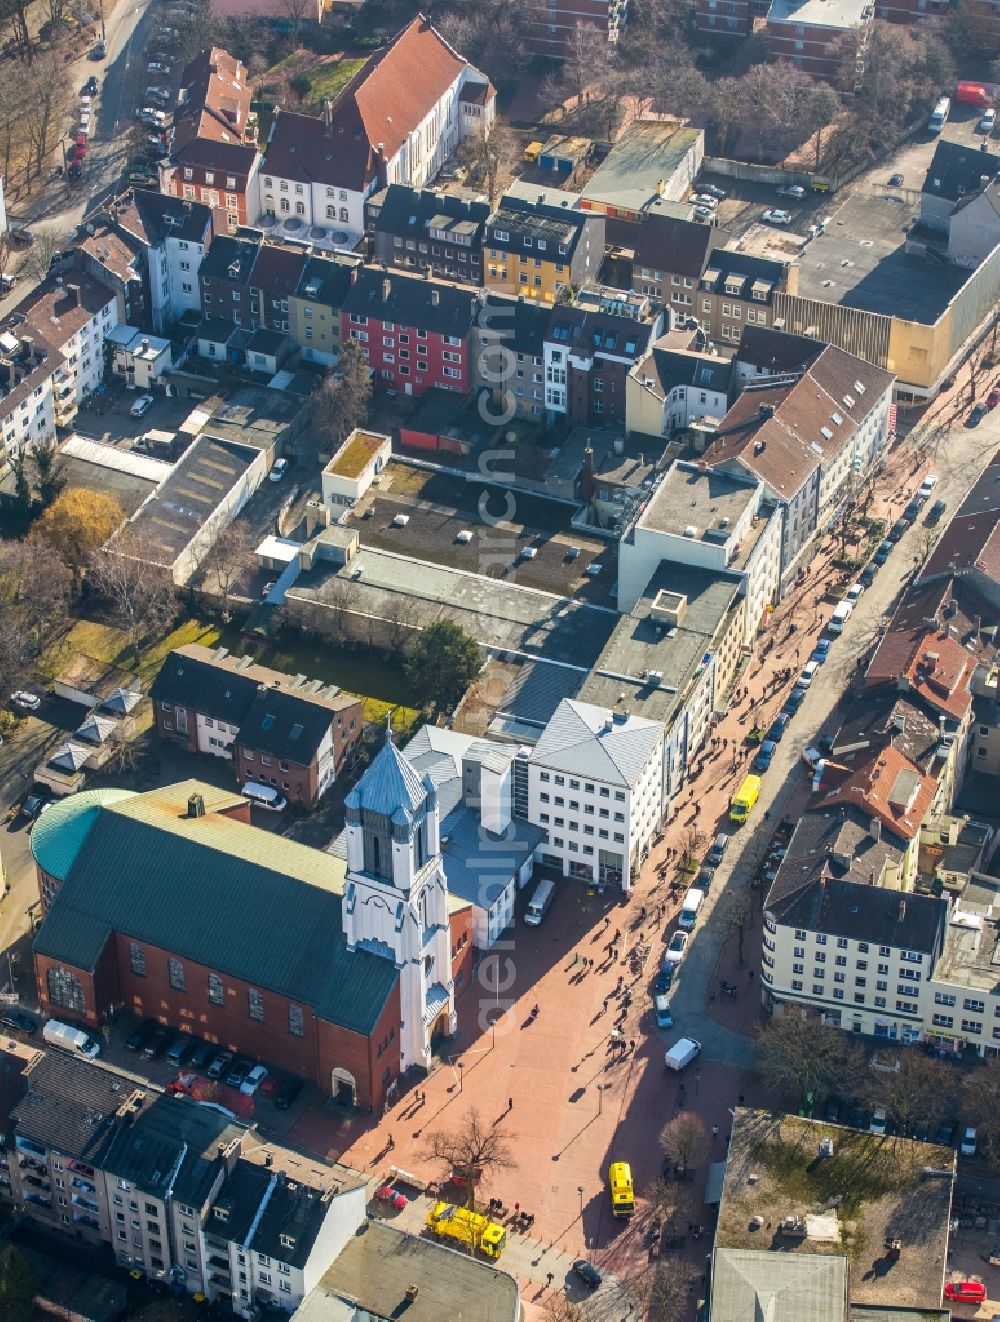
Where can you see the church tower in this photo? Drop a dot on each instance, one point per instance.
(396, 894)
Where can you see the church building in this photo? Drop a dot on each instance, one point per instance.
(171, 905)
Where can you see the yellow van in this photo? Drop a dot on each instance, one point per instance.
(622, 1189)
(532, 152)
(746, 796)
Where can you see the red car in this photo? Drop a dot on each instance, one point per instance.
(965, 1292)
(993, 398)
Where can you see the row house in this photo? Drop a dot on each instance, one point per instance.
(539, 251)
(214, 157)
(588, 357)
(177, 1191)
(413, 335)
(808, 439)
(397, 121)
(672, 389)
(508, 357)
(315, 305)
(297, 737)
(29, 366)
(430, 233)
(593, 782)
(171, 239)
(116, 262)
(224, 278)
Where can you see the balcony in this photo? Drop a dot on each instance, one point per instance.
(37, 1182)
(220, 1265)
(91, 1222)
(80, 1168)
(85, 1185)
(85, 1203)
(28, 1147)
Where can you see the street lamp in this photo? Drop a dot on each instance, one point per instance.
(461, 1076)
(600, 1097)
(579, 1189)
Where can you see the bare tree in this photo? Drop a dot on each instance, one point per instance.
(491, 157)
(921, 1087)
(683, 1139)
(137, 588)
(47, 100)
(298, 10)
(39, 255)
(981, 1104)
(401, 623)
(586, 58)
(14, 21)
(473, 1152)
(560, 1308)
(673, 1204)
(736, 911)
(340, 401)
(691, 845)
(663, 1291)
(34, 591)
(802, 1054)
(230, 557)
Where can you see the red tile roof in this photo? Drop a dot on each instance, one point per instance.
(889, 787)
(217, 99)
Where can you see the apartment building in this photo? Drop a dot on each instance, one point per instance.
(508, 356)
(413, 335)
(554, 24)
(672, 389)
(173, 240)
(28, 368)
(588, 356)
(430, 233)
(729, 18)
(969, 548)
(593, 781)
(708, 519)
(213, 157)
(538, 251)
(274, 279)
(808, 440)
(224, 279)
(74, 315)
(957, 172)
(293, 735)
(823, 39)
(766, 353)
(396, 122)
(177, 1191)
(314, 308)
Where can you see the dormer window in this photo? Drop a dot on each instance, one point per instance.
(221, 1213)
(501, 236)
(287, 1241)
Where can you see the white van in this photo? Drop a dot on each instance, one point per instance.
(263, 796)
(689, 909)
(840, 617)
(682, 1053)
(72, 1039)
(539, 903)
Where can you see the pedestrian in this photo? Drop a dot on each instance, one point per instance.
(631, 1045)
(390, 1142)
(517, 1209)
(715, 1131)
(549, 1278)
(510, 1100)
(750, 975)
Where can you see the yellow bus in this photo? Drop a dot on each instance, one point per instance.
(746, 796)
(470, 1228)
(622, 1189)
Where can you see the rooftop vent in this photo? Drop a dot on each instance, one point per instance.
(196, 806)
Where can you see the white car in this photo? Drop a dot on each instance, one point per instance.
(776, 217)
(253, 1080)
(927, 485)
(853, 593)
(25, 701)
(705, 200)
(988, 122)
(155, 66)
(279, 470)
(676, 949)
(142, 405)
(878, 1124)
(968, 1148)
(791, 190)
(808, 674)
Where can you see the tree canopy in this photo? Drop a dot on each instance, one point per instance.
(442, 663)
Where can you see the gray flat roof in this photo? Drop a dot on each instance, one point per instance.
(200, 482)
(646, 155)
(860, 262)
(640, 646)
(972, 937)
(687, 497)
(497, 614)
(818, 13)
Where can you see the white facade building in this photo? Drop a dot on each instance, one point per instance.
(142, 360)
(594, 784)
(28, 366)
(396, 901)
(173, 278)
(75, 316)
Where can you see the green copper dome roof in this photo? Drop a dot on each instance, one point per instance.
(58, 834)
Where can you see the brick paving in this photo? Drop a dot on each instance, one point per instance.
(576, 1105)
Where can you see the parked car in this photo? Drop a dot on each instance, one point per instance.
(867, 575)
(946, 1133)
(273, 1084)
(136, 1040)
(777, 217)
(834, 1108)
(988, 122)
(17, 1022)
(201, 1054)
(791, 190)
(935, 512)
(883, 552)
(879, 1123)
(927, 485)
(897, 530)
(821, 651)
(587, 1273)
(704, 213)
(765, 755)
(704, 200)
(238, 1071)
(664, 979)
(157, 66)
(968, 1144)
(794, 700)
(220, 1064)
(156, 1042)
(704, 879)
(20, 234)
(896, 180)
(912, 511)
(253, 1080)
(857, 1118)
(98, 50)
(974, 418)
(993, 398)
(777, 728)
(676, 947)
(965, 1292)
(279, 469)
(718, 193)
(141, 405)
(34, 805)
(91, 87)
(25, 701)
(287, 1093)
(921, 1131)
(853, 593)
(180, 1049)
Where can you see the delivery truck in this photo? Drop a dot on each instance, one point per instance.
(682, 1053)
(70, 1039)
(746, 796)
(470, 1228)
(974, 94)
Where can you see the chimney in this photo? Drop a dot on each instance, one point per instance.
(875, 828)
(435, 297)
(196, 806)
(27, 346)
(386, 288)
(902, 910)
(354, 275)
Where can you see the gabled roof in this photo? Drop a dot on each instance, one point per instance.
(921, 652)
(759, 1285)
(408, 300)
(589, 741)
(675, 247)
(519, 324)
(887, 785)
(68, 1103)
(154, 217)
(956, 169)
(407, 210)
(230, 258)
(971, 542)
(216, 104)
(669, 368)
(289, 725)
(605, 332)
(325, 280)
(277, 271)
(777, 351)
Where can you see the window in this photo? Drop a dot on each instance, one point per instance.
(943, 1021)
(296, 1021)
(971, 1026)
(216, 990)
(255, 1000)
(137, 959)
(977, 1007)
(175, 974)
(65, 989)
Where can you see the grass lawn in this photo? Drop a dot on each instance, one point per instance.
(381, 684)
(326, 76)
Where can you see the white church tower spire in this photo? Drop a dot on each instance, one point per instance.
(396, 894)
